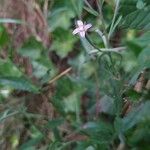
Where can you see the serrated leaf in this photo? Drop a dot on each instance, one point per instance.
(18, 83)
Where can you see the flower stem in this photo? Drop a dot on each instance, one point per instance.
(88, 39)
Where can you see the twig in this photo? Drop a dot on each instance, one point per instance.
(60, 75)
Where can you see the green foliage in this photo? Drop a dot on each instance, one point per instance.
(18, 83)
(142, 21)
(7, 68)
(63, 45)
(3, 36)
(132, 6)
(96, 104)
(100, 130)
(63, 16)
(144, 58)
(137, 115)
(31, 49)
(37, 137)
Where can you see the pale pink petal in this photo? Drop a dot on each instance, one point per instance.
(81, 28)
(82, 34)
(79, 23)
(86, 27)
(77, 30)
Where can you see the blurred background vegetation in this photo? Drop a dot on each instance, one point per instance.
(55, 95)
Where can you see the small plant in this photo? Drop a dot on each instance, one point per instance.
(85, 89)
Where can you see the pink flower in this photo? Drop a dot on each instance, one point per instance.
(81, 28)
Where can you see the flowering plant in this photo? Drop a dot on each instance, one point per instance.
(75, 74)
(81, 28)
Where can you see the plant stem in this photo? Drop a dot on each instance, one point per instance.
(88, 39)
(114, 18)
(117, 50)
(105, 35)
(104, 38)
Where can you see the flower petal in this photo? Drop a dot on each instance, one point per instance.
(82, 34)
(86, 27)
(79, 23)
(81, 28)
(75, 31)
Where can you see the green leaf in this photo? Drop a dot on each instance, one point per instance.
(78, 5)
(134, 47)
(32, 49)
(106, 105)
(43, 68)
(99, 132)
(129, 6)
(72, 103)
(143, 40)
(140, 136)
(91, 11)
(54, 123)
(18, 83)
(144, 58)
(137, 115)
(140, 4)
(63, 42)
(30, 143)
(4, 37)
(54, 145)
(63, 15)
(7, 68)
(118, 125)
(139, 19)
